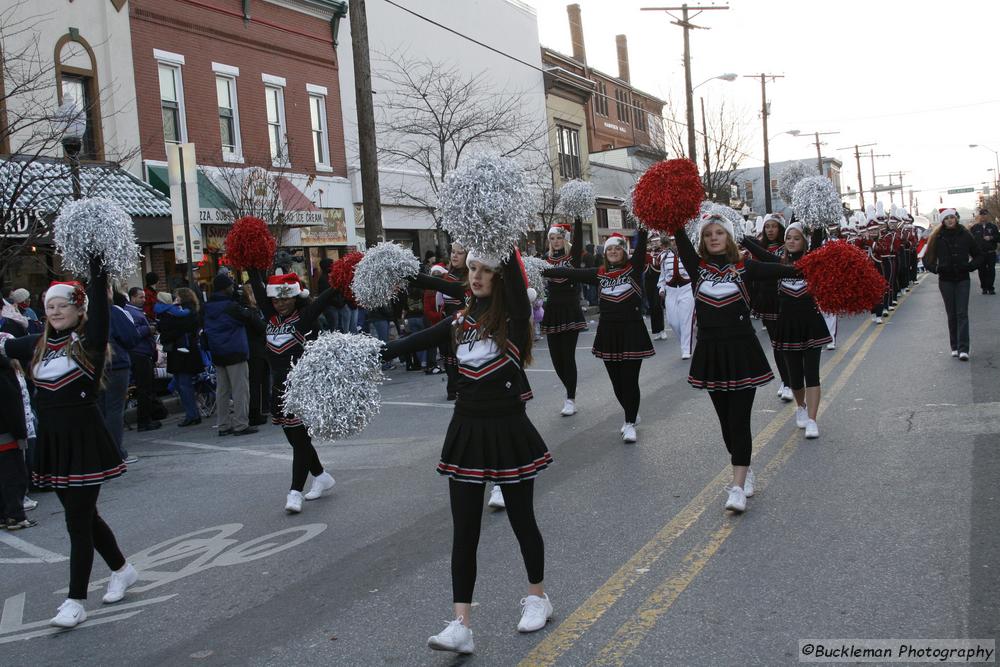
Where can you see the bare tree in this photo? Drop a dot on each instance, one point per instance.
(429, 114)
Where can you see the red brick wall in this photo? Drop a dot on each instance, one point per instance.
(296, 46)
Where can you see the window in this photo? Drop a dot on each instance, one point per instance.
(76, 79)
(621, 103)
(748, 191)
(172, 104)
(78, 89)
(317, 119)
(277, 138)
(601, 99)
(229, 124)
(569, 152)
(638, 115)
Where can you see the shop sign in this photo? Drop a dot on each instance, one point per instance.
(20, 223)
(331, 231)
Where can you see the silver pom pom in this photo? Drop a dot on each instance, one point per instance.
(382, 273)
(790, 177)
(576, 199)
(533, 266)
(486, 205)
(333, 387)
(816, 202)
(96, 227)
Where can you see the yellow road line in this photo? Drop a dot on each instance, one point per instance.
(631, 633)
(562, 638)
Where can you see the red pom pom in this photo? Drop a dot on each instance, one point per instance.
(342, 273)
(842, 279)
(249, 245)
(668, 195)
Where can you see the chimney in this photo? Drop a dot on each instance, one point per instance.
(622, 43)
(576, 32)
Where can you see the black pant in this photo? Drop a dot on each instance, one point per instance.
(956, 304)
(779, 362)
(259, 376)
(988, 272)
(305, 460)
(625, 381)
(142, 376)
(803, 367)
(733, 409)
(467, 518)
(13, 484)
(87, 531)
(562, 348)
(655, 302)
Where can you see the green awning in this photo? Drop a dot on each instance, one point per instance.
(209, 196)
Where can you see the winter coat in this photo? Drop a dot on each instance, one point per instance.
(981, 231)
(123, 339)
(953, 249)
(225, 331)
(146, 345)
(181, 332)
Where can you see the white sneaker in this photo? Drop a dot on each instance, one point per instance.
(456, 637)
(831, 346)
(119, 583)
(30, 504)
(569, 408)
(70, 614)
(963, 356)
(624, 424)
(786, 395)
(628, 433)
(750, 486)
(737, 500)
(496, 498)
(781, 390)
(812, 430)
(878, 320)
(686, 355)
(320, 486)
(954, 353)
(293, 504)
(801, 416)
(535, 613)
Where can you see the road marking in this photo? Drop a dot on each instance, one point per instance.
(566, 634)
(219, 448)
(631, 633)
(13, 616)
(420, 405)
(38, 554)
(540, 370)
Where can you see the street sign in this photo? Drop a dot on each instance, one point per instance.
(182, 168)
(961, 191)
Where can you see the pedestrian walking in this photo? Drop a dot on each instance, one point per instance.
(226, 338)
(952, 253)
(143, 358)
(987, 236)
(563, 319)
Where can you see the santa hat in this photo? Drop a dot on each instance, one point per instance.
(714, 219)
(485, 260)
(945, 212)
(71, 291)
(285, 286)
(561, 229)
(438, 269)
(616, 239)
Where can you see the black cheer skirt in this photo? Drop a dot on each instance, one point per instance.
(562, 316)
(800, 327)
(74, 448)
(502, 448)
(622, 341)
(729, 364)
(278, 415)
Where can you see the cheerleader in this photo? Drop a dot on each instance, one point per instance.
(802, 332)
(454, 300)
(490, 438)
(674, 288)
(728, 360)
(74, 453)
(764, 295)
(622, 339)
(563, 319)
(650, 287)
(291, 321)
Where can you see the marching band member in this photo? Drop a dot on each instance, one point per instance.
(650, 280)
(675, 287)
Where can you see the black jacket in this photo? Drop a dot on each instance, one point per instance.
(983, 230)
(954, 254)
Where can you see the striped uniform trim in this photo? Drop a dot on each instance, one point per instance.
(65, 481)
(622, 356)
(771, 317)
(286, 421)
(562, 328)
(503, 476)
(731, 385)
(804, 345)
(561, 261)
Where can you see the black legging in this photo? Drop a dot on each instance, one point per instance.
(654, 300)
(624, 377)
(467, 517)
(305, 460)
(87, 531)
(733, 409)
(562, 348)
(771, 326)
(259, 377)
(803, 367)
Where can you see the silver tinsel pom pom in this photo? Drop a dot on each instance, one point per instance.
(96, 227)
(382, 273)
(816, 202)
(533, 266)
(486, 205)
(576, 199)
(790, 177)
(334, 386)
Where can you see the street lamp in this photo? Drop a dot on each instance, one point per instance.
(71, 120)
(794, 133)
(729, 76)
(995, 157)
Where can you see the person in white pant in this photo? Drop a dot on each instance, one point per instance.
(675, 285)
(831, 325)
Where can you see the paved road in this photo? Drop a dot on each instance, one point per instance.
(884, 527)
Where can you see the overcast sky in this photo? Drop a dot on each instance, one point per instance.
(918, 80)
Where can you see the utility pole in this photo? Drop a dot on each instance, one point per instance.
(684, 22)
(819, 152)
(704, 132)
(874, 190)
(763, 114)
(857, 160)
(368, 147)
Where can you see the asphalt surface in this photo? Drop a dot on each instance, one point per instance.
(885, 527)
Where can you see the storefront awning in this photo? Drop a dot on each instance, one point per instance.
(209, 196)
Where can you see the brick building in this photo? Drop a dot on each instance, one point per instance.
(254, 84)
